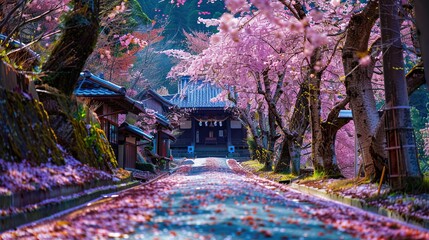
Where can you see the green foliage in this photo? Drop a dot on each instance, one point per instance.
(145, 167)
(418, 122)
(91, 138)
(417, 119)
(419, 99)
(148, 148)
(183, 17)
(81, 112)
(138, 16)
(251, 143)
(317, 175)
(135, 17)
(416, 185)
(3, 55)
(263, 155)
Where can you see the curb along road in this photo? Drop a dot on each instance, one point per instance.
(72, 203)
(358, 203)
(361, 204)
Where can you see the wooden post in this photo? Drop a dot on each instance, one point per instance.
(228, 127)
(381, 180)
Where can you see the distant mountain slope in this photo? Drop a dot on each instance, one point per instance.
(182, 17)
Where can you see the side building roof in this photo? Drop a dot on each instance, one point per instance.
(136, 131)
(96, 88)
(151, 93)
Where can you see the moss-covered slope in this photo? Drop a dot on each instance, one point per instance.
(80, 136)
(25, 132)
(33, 131)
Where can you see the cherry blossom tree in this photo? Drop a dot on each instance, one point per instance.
(33, 24)
(122, 37)
(259, 59)
(358, 22)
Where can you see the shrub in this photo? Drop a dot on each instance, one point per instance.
(145, 167)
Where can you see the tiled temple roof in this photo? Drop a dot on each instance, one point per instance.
(196, 94)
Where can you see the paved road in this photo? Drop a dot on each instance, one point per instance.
(211, 198)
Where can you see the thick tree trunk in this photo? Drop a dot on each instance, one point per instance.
(401, 146)
(272, 138)
(268, 155)
(314, 79)
(295, 155)
(290, 157)
(415, 78)
(253, 148)
(358, 81)
(323, 133)
(326, 150)
(75, 45)
(329, 129)
(284, 162)
(297, 126)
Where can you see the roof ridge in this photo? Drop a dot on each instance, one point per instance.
(136, 130)
(104, 83)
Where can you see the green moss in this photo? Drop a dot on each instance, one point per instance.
(258, 168)
(25, 131)
(91, 146)
(251, 143)
(104, 150)
(76, 131)
(344, 184)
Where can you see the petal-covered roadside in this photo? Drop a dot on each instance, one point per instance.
(209, 200)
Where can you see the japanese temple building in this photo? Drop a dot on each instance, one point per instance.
(210, 128)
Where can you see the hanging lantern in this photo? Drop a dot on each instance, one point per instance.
(220, 123)
(201, 123)
(215, 123)
(206, 123)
